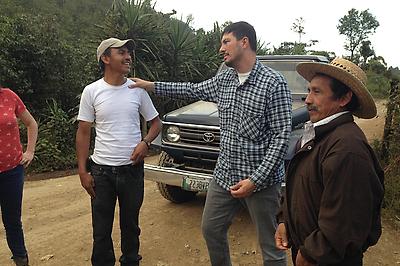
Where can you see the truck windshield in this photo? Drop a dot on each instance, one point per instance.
(296, 83)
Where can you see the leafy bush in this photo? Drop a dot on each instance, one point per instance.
(378, 84)
(392, 173)
(390, 150)
(392, 180)
(55, 149)
(392, 186)
(38, 64)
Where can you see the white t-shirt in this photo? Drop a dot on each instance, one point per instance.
(115, 111)
(243, 76)
(309, 127)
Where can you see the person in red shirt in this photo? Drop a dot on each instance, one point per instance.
(12, 163)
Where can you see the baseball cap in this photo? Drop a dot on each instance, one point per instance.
(114, 43)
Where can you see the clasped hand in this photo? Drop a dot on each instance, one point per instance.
(243, 188)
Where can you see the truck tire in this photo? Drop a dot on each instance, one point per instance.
(173, 193)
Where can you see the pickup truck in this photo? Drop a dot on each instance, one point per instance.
(189, 140)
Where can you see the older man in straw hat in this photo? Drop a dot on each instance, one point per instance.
(334, 183)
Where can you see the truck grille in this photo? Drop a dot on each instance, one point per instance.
(197, 136)
(200, 136)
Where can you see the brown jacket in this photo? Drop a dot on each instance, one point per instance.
(334, 191)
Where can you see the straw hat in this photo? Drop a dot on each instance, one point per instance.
(349, 74)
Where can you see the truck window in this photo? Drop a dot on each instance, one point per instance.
(296, 83)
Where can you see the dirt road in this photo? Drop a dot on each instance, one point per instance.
(57, 223)
(58, 230)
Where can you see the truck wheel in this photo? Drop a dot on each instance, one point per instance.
(173, 193)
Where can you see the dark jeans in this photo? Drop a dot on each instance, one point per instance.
(126, 184)
(11, 187)
(356, 260)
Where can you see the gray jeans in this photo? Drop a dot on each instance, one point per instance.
(219, 211)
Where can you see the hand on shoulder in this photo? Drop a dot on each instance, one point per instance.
(140, 83)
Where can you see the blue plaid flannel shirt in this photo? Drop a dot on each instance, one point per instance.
(255, 122)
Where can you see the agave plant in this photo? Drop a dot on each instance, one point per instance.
(178, 57)
(136, 20)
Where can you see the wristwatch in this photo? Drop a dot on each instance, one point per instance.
(148, 143)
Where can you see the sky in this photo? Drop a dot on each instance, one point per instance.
(273, 20)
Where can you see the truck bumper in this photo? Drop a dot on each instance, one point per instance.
(172, 176)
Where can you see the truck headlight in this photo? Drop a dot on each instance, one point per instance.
(173, 134)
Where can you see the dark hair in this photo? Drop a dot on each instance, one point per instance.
(107, 52)
(339, 90)
(243, 29)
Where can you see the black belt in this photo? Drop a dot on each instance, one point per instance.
(116, 168)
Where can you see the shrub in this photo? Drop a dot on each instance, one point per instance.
(378, 85)
(392, 186)
(389, 150)
(55, 149)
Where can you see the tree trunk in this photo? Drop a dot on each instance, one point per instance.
(389, 119)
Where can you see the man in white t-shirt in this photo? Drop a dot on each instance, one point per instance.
(115, 169)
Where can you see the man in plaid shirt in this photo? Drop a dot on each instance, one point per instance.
(254, 105)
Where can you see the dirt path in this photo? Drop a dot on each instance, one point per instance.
(373, 128)
(58, 230)
(57, 222)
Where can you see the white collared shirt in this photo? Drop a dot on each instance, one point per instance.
(309, 132)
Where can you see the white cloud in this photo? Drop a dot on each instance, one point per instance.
(273, 20)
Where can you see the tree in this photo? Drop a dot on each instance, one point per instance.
(298, 27)
(294, 48)
(356, 26)
(38, 64)
(299, 48)
(75, 17)
(378, 65)
(290, 48)
(327, 54)
(366, 51)
(179, 58)
(262, 48)
(206, 52)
